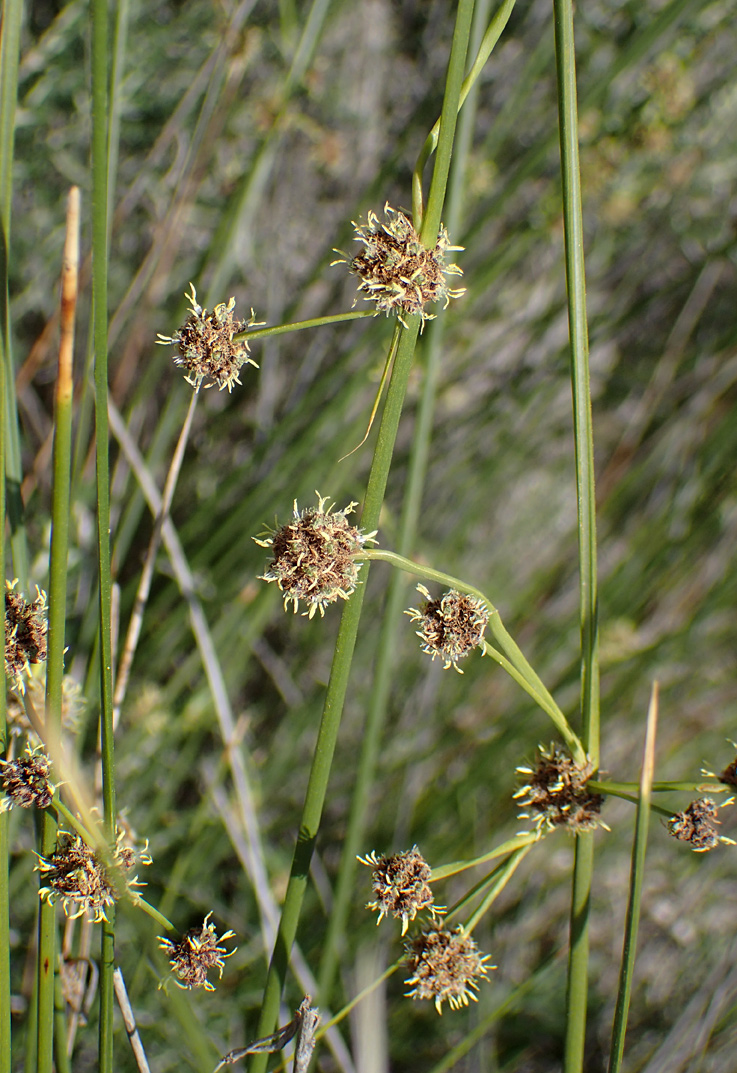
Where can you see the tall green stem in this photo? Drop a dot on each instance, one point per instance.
(99, 297)
(5, 1007)
(584, 448)
(348, 631)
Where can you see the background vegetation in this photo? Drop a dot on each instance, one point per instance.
(243, 150)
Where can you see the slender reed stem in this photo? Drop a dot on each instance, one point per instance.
(345, 643)
(57, 613)
(637, 874)
(100, 315)
(300, 325)
(391, 618)
(584, 449)
(144, 584)
(5, 1005)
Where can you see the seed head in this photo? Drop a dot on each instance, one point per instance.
(451, 626)
(25, 782)
(195, 953)
(555, 794)
(729, 775)
(445, 965)
(206, 347)
(401, 885)
(25, 634)
(697, 825)
(314, 556)
(77, 874)
(396, 271)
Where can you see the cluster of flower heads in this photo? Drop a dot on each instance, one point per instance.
(314, 556)
(207, 348)
(554, 792)
(25, 782)
(444, 964)
(197, 952)
(451, 626)
(25, 634)
(696, 825)
(397, 272)
(78, 875)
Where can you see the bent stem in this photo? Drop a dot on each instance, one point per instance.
(348, 631)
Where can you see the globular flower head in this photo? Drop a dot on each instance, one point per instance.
(697, 825)
(397, 272)
(25, 782)
(206, 346)
(25, 633)
(77, 874)
(554, 792)
(401, 885)
(729, 775)
(445, 966)
(451, 626)
(196, 952)
(314, 556)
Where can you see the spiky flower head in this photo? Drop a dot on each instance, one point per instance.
(728, 776)
(314, 556)
(25, 633)
(397, 272)
(697, 825)
(196, 952)
(25, 782)
(77, 874)
(445, 966)
(401, 885)
(206, 346)
(451, 626)
(554, 792)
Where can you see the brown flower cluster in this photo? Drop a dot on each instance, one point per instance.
(77, 874)
(314, 556)
(451, 626)
(696, 825)
(25, 633)
(197, 952)
(554, 792)
(400, 885)
(207, 350)
(396, 271)
(445, 966)
(25, 782)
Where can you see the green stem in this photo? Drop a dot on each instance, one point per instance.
(527, 838)
(503, 877)
(492, 35)
(391, 616)
(584, 448)
(299, 325)
(5, 143)
(100, 119)
(348, 630)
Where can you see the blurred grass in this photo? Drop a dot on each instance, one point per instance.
(200, 90)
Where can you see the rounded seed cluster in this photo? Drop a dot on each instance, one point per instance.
(451, 626)
(397, 272)
(76, 873)
(25, 782)
(25, 634)
(207, 350)
(313, 556)
(554, 792)
(696, 825)
(400, 885)
(196, 952)
(445, 966)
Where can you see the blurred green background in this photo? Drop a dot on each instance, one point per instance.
(235, 175)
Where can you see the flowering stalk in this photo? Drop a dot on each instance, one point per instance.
(345, 643)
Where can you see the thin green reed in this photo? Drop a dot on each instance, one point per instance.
(345, 643)
(99, 299)
(5, 1008)
(12, 471)
(576, 999)
(418, 461)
